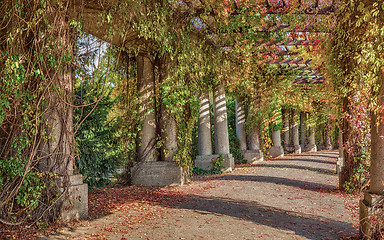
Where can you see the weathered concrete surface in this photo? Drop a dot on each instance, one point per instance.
(367, 211)
(75, 204)
(205, 162)
(159, 173)
(294, 197)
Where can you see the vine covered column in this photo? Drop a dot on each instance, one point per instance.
(146, 150)
(148, 170)
(57, 150)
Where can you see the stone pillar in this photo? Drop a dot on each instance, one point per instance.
(286, 130)
(220, 120)
(205, 157)
(57, 151)
(240, 125)
(276, 150)
(148, 170)
(376, 189)
(169, 135)
(302, 130)
(312, 141)
(295, 132)
(327, 136)
(254, 154)
(340, 160)
(221, 127)
(204, 128)
(146, 150)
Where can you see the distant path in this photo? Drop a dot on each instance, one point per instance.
(294, 197)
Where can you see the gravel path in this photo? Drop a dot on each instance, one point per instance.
(294, 197)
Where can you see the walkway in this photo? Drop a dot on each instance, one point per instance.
(294, 197)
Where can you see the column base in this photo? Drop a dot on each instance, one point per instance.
(158, 173)
(311, 148)
(276, 151)
(75, 203)
(297, 149)
(205, 162)
(367, 213)
(253, 156)
(339, 165)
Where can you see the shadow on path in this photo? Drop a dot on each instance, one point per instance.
(307, 225)
(318, 187)
(303, 160)
(319, 170)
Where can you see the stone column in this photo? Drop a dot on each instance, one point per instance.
(295, 132)
(375, 194)
(240, 125)
(205, 157)
(312, 141)
(221, 127)
(146, 150)
(169, 135)
(254, 154)
(340, 160)
(302, 130)
(286, 129)
(148, 170)
(377, 155)
(204, 128)
(276, 150)
(56, 153)
(327, 136)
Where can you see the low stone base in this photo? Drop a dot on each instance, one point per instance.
(253, 156)
(75, 203)
(205, 162)
(311, 148)
(276, 152)
(157, 174)
(367, 213)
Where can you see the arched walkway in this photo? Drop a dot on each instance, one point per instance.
(294, 197)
